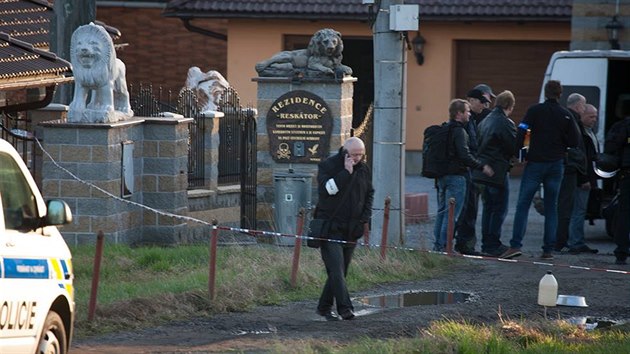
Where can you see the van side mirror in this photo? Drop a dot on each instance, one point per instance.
(58, 213)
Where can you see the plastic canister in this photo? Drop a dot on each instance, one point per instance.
(548, 290)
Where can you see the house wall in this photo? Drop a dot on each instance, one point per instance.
(429, 87)
(588, 23)
(161, 50)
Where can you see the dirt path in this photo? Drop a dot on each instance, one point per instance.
(496, 287)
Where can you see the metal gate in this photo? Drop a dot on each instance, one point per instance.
(237, 152)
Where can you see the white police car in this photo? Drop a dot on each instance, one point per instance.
(36, 293)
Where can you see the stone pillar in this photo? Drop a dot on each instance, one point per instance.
(54, 112)
(338, 96)
(93, 153)
(211, 148)
(165, 179)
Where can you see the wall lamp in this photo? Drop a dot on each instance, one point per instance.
(613, 28)
(418, 48)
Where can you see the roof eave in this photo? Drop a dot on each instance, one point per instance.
(357, 17)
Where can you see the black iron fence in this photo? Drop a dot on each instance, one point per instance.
(237, 140)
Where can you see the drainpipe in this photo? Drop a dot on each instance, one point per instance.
(189, 26)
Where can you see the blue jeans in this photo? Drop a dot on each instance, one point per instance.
(576, 226)
(449, 186)
(495, 206)
(535, 173)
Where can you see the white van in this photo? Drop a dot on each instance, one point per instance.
(36, 293)
(602, 76)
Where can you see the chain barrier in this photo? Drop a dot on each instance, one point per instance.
(255, 233)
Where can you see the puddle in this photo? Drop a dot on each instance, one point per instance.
(412, 298)
(590, 323)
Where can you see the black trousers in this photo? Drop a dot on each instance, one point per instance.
(622, 226)
(565, 208)
(336, 257)
(466, 235)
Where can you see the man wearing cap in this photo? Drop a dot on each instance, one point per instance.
(466, 235)
(489, 95)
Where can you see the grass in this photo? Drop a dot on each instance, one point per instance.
(148, 285)
(145, 286)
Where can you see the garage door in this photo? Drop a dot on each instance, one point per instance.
(518, 66)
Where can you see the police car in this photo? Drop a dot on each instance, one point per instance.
(36, 293)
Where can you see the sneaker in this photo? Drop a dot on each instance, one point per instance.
(583, 249)
(561, 249)
(546, 255)
(621, 261)
(511, 253)
(497, 252)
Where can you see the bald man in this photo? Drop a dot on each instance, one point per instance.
(345, 199)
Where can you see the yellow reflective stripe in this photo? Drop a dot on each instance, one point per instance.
(57, 268)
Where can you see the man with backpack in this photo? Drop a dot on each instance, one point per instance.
(618, 144)
(451, 181)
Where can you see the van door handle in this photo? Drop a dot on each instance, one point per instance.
(67, 276)
(10, 244)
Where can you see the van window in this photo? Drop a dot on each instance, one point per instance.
(18, 202)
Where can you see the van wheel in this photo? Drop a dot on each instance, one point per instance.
(53, 337)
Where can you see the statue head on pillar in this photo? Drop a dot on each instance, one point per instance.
(99, 76)
(321, 59)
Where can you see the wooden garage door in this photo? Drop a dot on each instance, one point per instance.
(518, 66)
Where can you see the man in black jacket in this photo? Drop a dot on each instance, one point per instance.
(618, 144)
(345, 198)
(585, 183)
(576, 104)
(552, 132)
(453, 184)
(497, 138)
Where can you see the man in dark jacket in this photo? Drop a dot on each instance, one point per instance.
(345, 198)
(552, 132)
(618, 144)
(573, 168)
(453, 184)
(585, 183)
(497, 138)
(466, 235)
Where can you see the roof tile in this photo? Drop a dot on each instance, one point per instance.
(533, 10)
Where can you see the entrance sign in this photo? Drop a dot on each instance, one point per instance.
(299, 124)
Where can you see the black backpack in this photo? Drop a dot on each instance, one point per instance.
(436, 152)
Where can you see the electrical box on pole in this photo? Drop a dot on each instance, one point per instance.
(403, 17)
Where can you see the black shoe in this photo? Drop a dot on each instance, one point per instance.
(467, 251)
(621, 261)
(329, 315)
(348, 315)
(583, 249)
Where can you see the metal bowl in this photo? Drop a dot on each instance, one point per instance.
(571, 300)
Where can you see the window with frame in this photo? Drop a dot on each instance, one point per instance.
(19, 206)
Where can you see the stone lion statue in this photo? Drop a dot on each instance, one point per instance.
(208, 86)
(99, 75)
(322, 58)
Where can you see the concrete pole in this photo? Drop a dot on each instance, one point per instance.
(390, 105)
(69, 15)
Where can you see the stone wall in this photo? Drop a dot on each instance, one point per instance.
(588, 24)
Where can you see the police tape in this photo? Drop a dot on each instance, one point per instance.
(399, 248)
(279, 234)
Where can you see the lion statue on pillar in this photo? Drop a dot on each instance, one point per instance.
(208, 86)
(98, 77)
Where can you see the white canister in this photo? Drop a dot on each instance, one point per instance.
(548, 290)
